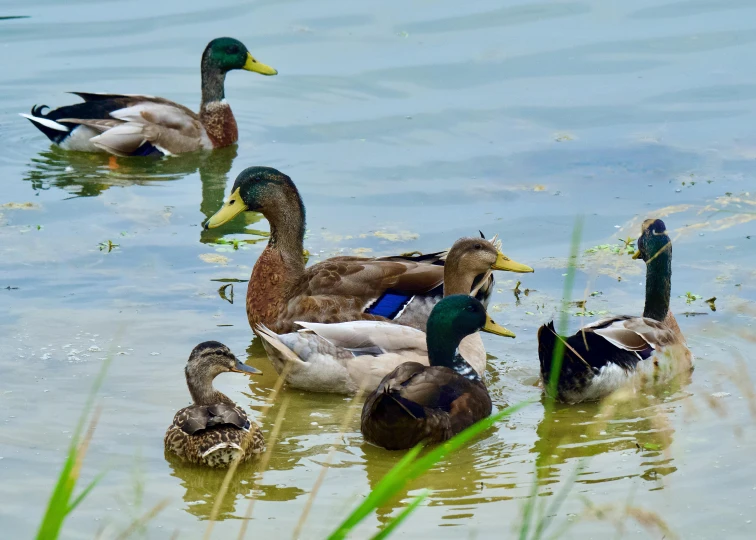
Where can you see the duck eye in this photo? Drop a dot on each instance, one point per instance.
(233, 49)
(478, 246)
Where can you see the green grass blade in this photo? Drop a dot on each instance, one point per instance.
(60, 504)
(408, 468)
(378, 495)
(556, 368)
(558, 354)
(85, 492)
(404, 514)
(459, 440)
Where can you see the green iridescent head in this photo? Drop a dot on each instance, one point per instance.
(225, 54)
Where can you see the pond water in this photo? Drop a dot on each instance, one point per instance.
(405, 125)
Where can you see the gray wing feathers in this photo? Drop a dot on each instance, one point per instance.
(634, 333)
(367, 335)
(199, 417)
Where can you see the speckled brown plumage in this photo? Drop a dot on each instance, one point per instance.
(197, 429)
(335, 290)
(213, 431)
(219, 123)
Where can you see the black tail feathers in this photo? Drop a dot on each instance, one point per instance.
(55, 135)
(546, 342)
(39, 110)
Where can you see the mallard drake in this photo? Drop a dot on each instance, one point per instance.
(139, 125)
(281, 290)
(344, 357)
(214, 430)
(607, 354)
(417, 402)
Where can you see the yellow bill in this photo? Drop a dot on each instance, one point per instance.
(493, 328)
(233, 207)
(508, 265)
(258, 67)
(637, 254)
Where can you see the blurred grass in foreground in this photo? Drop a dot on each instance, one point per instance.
(62, 501)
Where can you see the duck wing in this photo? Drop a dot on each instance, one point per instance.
(349, 288)
(369, 277)
(196, 418)
(416, 402)
(636, 334)
(604, 355)
(370, 337)
(130, 124)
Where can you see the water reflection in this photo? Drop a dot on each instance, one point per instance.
(636, 427)
(471, 477)
(202, 486)
(84, 174)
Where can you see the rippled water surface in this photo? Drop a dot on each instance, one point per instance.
(405, 125)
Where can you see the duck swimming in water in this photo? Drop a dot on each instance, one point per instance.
(610, 353)
(213, 430)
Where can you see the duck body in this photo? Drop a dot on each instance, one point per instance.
(344, 289)
(431, 403)
(282, 290)
(622, 351)
(143, 125)
(128, 125)
(213, 431)
(344, 357)
(213, 435)
(419, 403)
(596, 364)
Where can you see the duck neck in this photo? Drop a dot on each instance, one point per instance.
(287, 230)
(443, 350)
(215, 114)
(456, 280)
(203, 393)
(658, 284)
(213, 84)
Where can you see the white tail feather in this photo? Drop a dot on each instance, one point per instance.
(52, 124)
(221, 446)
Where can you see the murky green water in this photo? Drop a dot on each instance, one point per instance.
(405, 126)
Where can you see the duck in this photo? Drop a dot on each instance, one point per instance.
(346, 357)
(282, 291)
(431, 403)
(142, 125)
(613, 352)
(213, 431)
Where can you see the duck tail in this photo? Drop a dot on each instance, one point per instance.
(53, 130)
(221, 454)
(278, 353)
(547, 337)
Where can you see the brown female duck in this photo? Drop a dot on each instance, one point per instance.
(214, 430)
